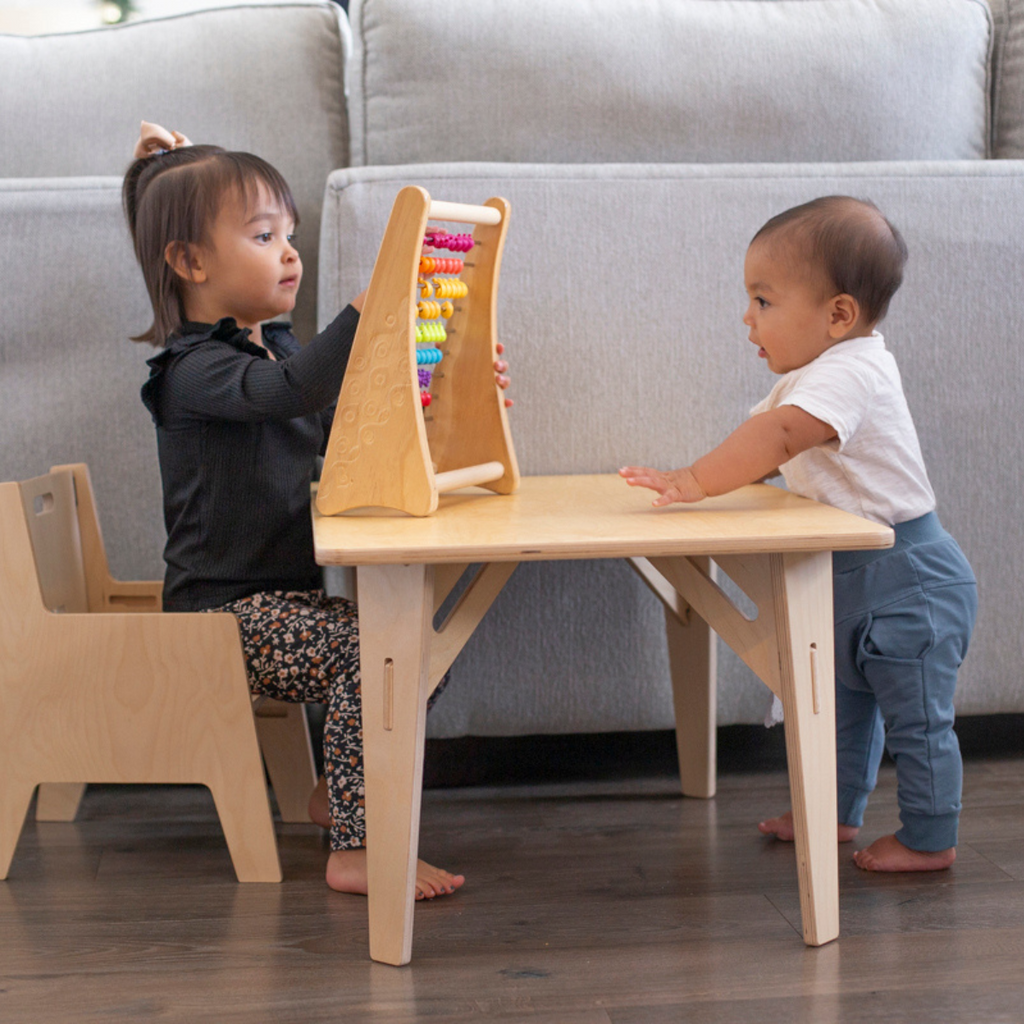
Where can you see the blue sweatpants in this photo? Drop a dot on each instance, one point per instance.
(903, 619)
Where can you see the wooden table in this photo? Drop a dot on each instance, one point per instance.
(775, 546)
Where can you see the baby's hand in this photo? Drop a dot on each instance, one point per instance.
(500, 374)
(677, 485)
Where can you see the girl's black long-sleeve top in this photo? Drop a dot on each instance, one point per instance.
(238, 434)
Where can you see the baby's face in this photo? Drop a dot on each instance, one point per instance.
(790, 313)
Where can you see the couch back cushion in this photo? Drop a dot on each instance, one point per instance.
(643, 358)
(70, 378)
(650, 81)
(263, 78)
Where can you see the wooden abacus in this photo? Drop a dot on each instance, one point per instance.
(388, 447)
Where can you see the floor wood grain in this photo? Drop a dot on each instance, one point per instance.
(610, 901)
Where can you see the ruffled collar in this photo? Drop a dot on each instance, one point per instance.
(191, 333)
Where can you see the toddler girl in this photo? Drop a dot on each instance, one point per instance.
(241, 413)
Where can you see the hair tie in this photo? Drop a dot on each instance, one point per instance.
(154, 140)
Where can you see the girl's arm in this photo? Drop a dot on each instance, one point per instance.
(221, 381)
(754, 450)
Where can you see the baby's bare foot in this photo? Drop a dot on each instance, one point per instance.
(782, 828)
(319, 810)
(889, 854)
(346, 872)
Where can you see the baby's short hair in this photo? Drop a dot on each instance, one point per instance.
(850, 242)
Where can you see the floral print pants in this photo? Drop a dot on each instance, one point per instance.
(303, 647)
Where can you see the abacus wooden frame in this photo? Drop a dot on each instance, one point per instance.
(383, 451)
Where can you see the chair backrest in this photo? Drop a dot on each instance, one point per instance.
(51, 515)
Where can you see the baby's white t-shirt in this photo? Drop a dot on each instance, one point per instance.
(874, 468)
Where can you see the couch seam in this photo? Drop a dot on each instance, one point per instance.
(1011, 24)
(363, 64)
(991, 77)
(904, 175)
(126, 26)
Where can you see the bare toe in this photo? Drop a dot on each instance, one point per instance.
(889, 854)
(431, 881)
(346, 872)
(780, 827)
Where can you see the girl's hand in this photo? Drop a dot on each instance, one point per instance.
(500, 374)
(677, 485)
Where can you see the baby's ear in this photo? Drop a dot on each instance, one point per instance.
(185, 261)
(844, 314)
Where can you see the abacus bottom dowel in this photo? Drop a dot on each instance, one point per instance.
(470, 476)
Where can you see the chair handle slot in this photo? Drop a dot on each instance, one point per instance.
(43, 503)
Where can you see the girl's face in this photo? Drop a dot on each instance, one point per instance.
(248, 269)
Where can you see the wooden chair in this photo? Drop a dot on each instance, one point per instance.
(98, 685)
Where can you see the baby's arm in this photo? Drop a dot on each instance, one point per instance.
(754, 450)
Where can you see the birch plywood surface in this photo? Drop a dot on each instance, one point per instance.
(590, 516)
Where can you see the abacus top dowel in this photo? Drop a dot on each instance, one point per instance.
(464, 213)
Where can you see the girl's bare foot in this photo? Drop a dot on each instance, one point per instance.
(346, 872)
(889, 854)
(319, 811)
(782, 828)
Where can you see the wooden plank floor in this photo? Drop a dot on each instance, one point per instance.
(586, 903)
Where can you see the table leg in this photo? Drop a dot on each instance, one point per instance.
(692, 662)
(802, 584)
(395, 610)
(790, 646)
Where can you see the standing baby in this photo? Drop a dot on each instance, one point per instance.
(837, 426)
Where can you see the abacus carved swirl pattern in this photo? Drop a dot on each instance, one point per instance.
(370, 408)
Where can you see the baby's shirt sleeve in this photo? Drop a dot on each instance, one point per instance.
(836, 390)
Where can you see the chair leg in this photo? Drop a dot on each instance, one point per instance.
(283, 732)
(59, 801)
(244, 813)
(14, 800)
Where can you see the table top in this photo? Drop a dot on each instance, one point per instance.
(566, 517)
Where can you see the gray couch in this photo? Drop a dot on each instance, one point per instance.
(641, 145)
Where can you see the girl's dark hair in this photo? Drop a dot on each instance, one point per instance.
(175, 197)
(857, 249)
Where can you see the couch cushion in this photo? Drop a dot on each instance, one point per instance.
(650, 81)
(69, 376)
(264, 78)
(620, 304)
